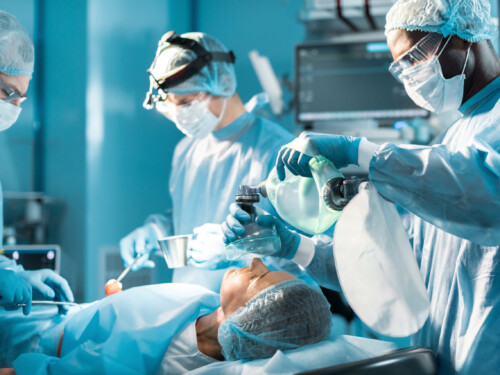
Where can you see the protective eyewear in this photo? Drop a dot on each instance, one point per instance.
(170, 109)
(184, 72)
(421, 51)
(11, 93)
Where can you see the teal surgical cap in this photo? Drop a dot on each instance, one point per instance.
(284, 316)
(467, 19)
(17, 55)
(216, 78)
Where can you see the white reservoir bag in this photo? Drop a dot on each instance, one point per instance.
(376, 266)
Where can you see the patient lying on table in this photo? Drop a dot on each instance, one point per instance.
(174, 328)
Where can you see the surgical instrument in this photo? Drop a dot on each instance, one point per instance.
(114, 286)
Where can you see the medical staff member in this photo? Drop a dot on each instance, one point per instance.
(16, 67)
(444, 57)
(224, 146)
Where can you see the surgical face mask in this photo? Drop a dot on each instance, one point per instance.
(426, 86)
(194, 119)
(8, 114)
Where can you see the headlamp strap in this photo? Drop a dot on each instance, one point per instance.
(183, 73)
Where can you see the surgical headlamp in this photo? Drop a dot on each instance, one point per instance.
(183, 72)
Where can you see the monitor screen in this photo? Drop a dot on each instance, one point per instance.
(34, 257)
(348, 80)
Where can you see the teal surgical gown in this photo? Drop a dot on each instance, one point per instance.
(126, 333)
(206, 174)
(453, 191)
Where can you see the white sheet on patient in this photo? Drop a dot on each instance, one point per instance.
(182, 354)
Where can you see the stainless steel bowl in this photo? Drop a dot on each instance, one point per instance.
(174, 250)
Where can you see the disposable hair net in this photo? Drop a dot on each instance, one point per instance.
(215, 78)
(284, 316)
(468, 19)
(17, 55)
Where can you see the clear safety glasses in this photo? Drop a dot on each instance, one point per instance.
(11, 93)
(170, 110)
(421, 51)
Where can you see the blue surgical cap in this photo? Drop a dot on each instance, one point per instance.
(467, 19)
(216, 78)
(284, 316)
(17, 55)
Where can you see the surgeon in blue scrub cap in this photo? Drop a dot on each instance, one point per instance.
(16, 67)
(224, 146)
(444, 56)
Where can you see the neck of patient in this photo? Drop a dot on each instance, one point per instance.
(207, 327)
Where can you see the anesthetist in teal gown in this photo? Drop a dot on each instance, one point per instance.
(452, 188)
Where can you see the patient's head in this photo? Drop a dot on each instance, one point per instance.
(269, 311)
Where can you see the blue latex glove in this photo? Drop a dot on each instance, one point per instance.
(339, 149)
(233, 227)
(14, 289)
(206, 248)
(142, 240)
(48, 285)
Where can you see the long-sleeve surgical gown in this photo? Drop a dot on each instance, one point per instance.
(206, 174)
(452, 190)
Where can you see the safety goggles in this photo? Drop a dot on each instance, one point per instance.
(11, 93)
(170, 109)
(425, 48)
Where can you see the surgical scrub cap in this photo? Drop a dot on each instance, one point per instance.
(216, 78)
(468, 19)
(17, 55)
(284, 316)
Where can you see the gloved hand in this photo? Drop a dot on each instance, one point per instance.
(339, 149)
(206, 248)
(233, 227)
(14, 289)
(142, 240)
(48, 285)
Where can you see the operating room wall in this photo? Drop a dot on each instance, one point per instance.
(129, 149)
(270, 27)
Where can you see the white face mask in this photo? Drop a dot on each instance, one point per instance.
(194, 119)
(8, 114)
(427, 87)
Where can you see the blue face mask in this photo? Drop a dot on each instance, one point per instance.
(9, 114)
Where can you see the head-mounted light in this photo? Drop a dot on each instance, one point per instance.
(183, 72)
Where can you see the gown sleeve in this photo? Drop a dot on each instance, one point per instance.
(457, 191)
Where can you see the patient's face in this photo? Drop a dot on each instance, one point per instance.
(241, 284)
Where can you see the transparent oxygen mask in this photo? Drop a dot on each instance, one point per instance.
(257, 239)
